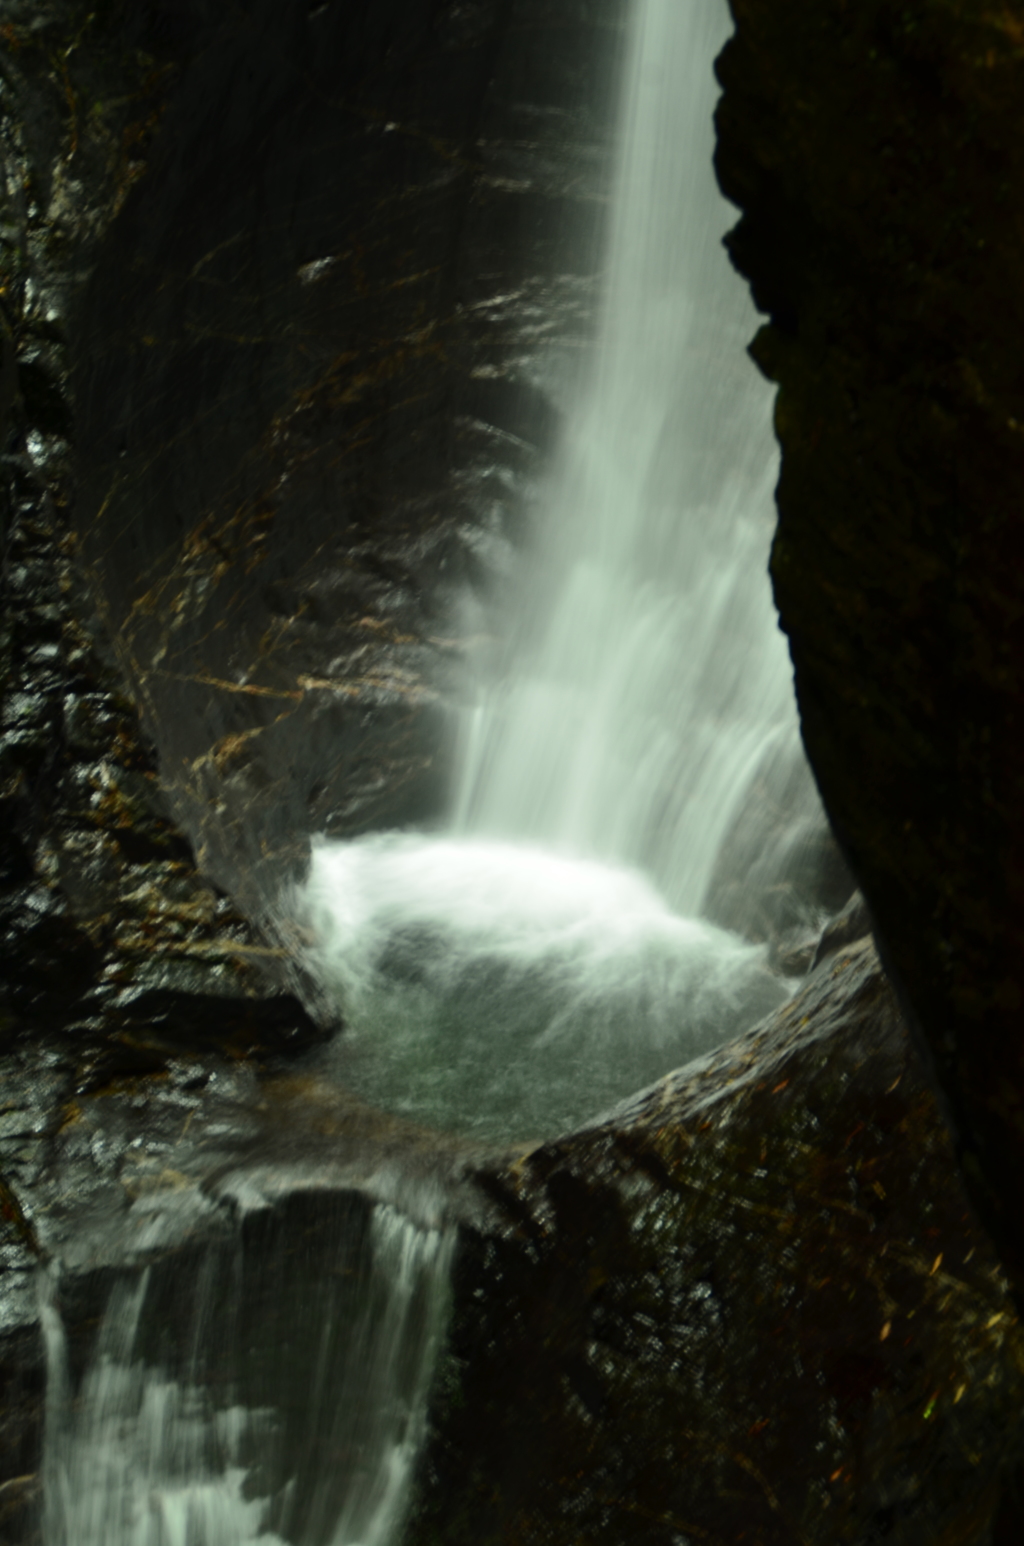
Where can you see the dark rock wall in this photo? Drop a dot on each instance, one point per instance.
(107, 929)
(108, 934)
(314, 375)
(287, 296)
(877, 154)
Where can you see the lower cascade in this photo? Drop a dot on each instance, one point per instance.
(270, 1390)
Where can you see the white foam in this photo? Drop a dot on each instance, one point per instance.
(507, 990)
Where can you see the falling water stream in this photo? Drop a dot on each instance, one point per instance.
(261, 1390)
(631, 800)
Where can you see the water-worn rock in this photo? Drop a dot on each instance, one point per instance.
(877, 153)
(404, 342)
(107, 929)
(752, 1305)
(202, 1167)
(852, 923)
(115, 953)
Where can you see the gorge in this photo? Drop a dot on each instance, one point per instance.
(322, 445)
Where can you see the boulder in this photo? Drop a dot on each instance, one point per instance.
(750, 1305)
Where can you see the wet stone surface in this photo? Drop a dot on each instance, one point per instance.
(109, 935)
(201, 1169)
(108, 929)
(751, 1306)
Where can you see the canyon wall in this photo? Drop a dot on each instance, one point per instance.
(877, 154)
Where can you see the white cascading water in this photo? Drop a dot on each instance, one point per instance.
(649, 678)
(179, 1453)
(548, 953)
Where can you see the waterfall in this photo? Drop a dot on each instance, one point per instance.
(648, 680)
(629, 766)
(260, 1391)
(631, 786)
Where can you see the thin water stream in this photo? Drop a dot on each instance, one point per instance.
(257, 1390)
(630, 782)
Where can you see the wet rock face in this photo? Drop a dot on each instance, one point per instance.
(315, 371)
(245, 1200)
(109, 935)
(107, 930)
(752, 1306)
(876, 154)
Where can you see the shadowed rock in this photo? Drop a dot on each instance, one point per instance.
(876, 152)
(750, 1305)
(107, 928)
